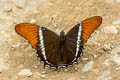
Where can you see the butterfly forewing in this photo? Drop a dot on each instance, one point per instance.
(28, 31)
(89, 25)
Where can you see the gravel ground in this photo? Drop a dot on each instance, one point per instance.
(101, 59)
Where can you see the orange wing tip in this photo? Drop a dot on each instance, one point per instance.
(89, 25)
(29, 32)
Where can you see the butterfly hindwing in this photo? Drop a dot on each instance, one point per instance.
(50, 40)
(71, 43)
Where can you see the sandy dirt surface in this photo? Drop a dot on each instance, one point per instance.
(101, 59)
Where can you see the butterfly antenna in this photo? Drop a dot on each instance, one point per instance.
(69, 23)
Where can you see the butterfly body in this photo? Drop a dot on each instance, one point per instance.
(59, 50)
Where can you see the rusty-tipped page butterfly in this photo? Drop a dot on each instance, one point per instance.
(59, 50)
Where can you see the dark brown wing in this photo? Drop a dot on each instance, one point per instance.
(50, 40)
(71, 45)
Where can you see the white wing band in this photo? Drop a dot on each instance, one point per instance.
(42, 43)
(78, 39)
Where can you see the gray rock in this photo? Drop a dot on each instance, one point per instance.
(118, 1)
(19, 3)
(110, 29)
(25, 72)
(115, 55)
(116, 60)
(88, 66)
(105, 76)
(117, 22)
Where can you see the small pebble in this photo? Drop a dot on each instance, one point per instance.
(8, 9)
(85, 59)
(43, 75)
(88, 66)
(118, 68)
(107, 62)
(15, 45)
(54, 24)
(19, 3)
(107, 48)
(43, 72)
(33, 20)
(117, 22)
(95, 56)
(25, 72)
(35, 66)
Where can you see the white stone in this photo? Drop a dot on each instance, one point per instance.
(43, 75)
(16, 45)
(43, 72)
(117, 22)
(25, 72)
(105, 76)
(116, 60)
(115, 55)
(95, 56)
(88, 66)
(107, 48)
(110, 29)
(19, 3)
(85, 59)
(107, 62)
(118, 68)
(33, 20)
(54, 24)
(117, 0)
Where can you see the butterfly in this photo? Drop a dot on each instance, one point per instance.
(61, 50)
